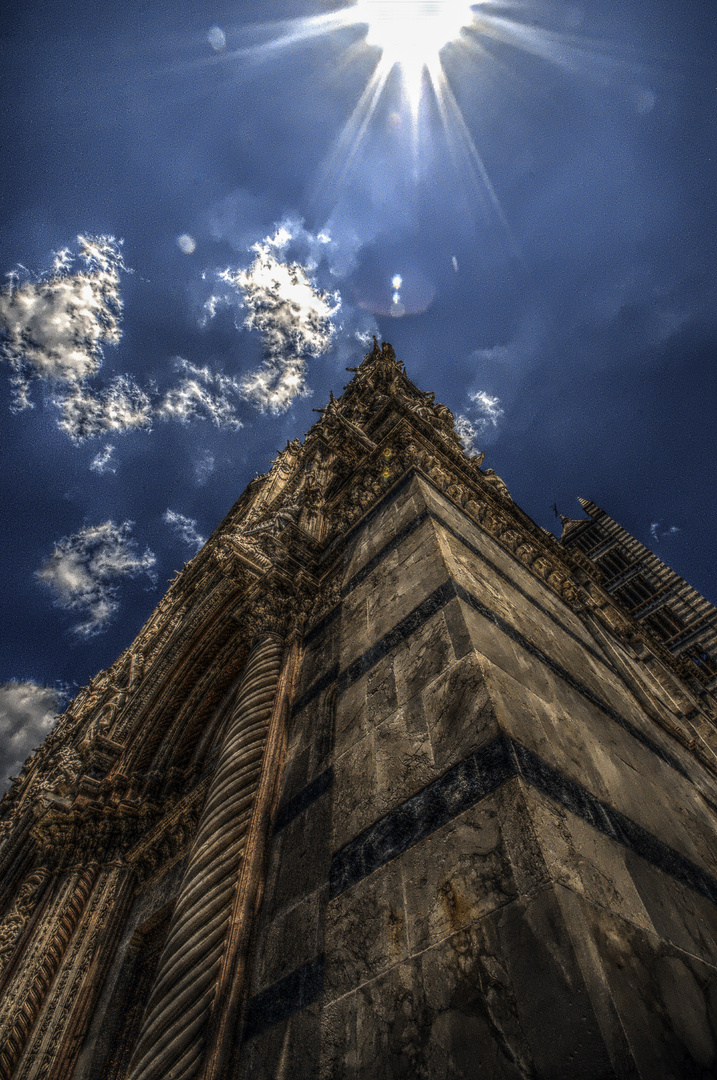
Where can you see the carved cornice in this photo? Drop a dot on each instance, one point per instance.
(168, 840)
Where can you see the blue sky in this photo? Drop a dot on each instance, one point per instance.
(208, 209)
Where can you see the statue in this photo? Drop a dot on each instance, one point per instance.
(118, 692)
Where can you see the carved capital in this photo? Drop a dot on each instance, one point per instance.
(279, 606)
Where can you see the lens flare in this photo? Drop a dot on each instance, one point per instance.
(412, 32)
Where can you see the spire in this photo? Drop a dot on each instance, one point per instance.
(569, 525)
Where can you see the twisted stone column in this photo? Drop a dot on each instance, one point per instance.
(171, 1039)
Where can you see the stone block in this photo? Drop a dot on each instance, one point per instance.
(356, 636)
(382, 697)
(352, 720)
(392, 515)
(291, 1047)
(664, 999)
(458, 710)
(291, 939)
(354, 791)
(393, 1025)
(422, 656)
(320, 653)
(404, 757)
(339, 1058)
(365, 931)
(503, 998)
(300, 857)
(677, 913)
(297, 771)
(310, 741)
(585, 860)
(461, 872)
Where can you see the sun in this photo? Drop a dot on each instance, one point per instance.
(412, 32)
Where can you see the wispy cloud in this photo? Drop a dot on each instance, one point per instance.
(54, 325)
(185, 528)
(122, 406)
(104, 460)
(484, 414)
(659, 532)
(486, 410)
(467, 433)
(27, 714)
(202, 394)
(85, 569)
(204, 466)
(293, 316)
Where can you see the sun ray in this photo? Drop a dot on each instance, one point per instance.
(421, 41)
(462, 147)
(337, 166)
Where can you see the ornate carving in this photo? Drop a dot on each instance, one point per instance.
(16, 919)
(326, 600)
(496, 483)
(278, 606)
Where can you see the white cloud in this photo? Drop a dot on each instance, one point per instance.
(122, 406)
(292, 315)
(54, 325)
(204, 466)
(658, 532)
(202, 394)
(484, 414)
(104, 460)
(84, 569)
(217, 38)
(27, 713)
(467, 433)
(486, 409)
(185, 528)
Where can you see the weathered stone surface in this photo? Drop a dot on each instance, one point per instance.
(462, 871)
(664, 999)
(291, 939)
(300, 856)
(365, 931)
(459, 711)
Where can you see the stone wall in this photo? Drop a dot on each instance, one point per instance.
(487, 860)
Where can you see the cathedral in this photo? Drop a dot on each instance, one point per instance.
(392, 784)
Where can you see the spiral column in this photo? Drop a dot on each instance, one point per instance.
(171, 1039)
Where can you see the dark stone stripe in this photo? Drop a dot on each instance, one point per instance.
(473, 779)
(612, 823)
(315, 689)
(438, 600)
(458, 789)
(400, 632)
(285, 997)
(380, 555)
(560, 671)
(303, 799)
(322, 624)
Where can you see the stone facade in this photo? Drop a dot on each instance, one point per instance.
(388, 786)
